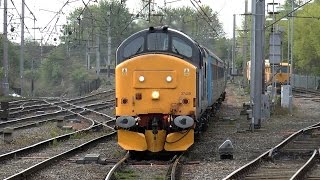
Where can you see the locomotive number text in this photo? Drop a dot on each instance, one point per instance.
(186, 93)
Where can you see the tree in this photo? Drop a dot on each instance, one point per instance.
(307, 38)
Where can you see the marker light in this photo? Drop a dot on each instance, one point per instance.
(155, 95)
(168, 78)
(141, 78)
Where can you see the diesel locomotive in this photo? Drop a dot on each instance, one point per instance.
(277, 74)
(167, 86)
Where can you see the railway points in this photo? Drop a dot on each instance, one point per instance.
(227, 124)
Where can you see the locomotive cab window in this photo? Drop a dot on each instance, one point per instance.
(157, 41)
(283, 69)
(134, 47)
(180, 47)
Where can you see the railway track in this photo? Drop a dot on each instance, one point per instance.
(311, 94)
(48, 121)
(45, 106)
(47, 151)
(297, 157)
(26, 165)
(164, 169)
(61, 108)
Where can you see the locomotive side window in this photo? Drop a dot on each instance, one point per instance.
(134, 47)
(157, 41)
(180, 47)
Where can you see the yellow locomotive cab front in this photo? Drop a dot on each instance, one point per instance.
(151, 96)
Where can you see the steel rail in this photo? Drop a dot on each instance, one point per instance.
(291, 137)
(46, 142)
(306, 167)
(58, 138)
(175, 167)
(240, 172)
(27, 172)
(30, 118)
(29, 111)
(116, 166)
(31, 124)
(53, 119)
(97, 122)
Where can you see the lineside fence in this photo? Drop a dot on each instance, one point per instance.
(89, 86)
(306, 81)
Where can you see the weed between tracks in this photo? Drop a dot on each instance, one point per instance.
(126, 174)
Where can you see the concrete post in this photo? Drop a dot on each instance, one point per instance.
(4, 114)
(60, 120)
(257, 60)
(7, 135)
(244, 50)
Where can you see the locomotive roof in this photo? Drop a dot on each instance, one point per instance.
(196, 51)
(195, 54)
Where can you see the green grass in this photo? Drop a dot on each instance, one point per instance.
(126, 174)
(55, 143)
(78, 135)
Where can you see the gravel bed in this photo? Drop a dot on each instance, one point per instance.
(247, 145)
(69, 169)
(109, 111)
(13, 166)
(144, 172)
(100, 118)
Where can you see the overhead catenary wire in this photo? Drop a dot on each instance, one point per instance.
(133, 18)
(307, 17)
(30, 11)
(52, 30)
(57, 13)
(20, 16)
(206, 17)
(287, 15)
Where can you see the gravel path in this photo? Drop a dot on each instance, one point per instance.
(247, 145)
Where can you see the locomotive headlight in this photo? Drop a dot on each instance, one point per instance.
(125, 121)
(183, 121)
(141, 78)
(168, 78)
(155, 95)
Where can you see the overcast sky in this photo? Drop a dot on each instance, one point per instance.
(45, 12)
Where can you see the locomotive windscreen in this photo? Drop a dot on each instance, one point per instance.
(158, 41)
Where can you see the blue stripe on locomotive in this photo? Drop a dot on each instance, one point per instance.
(209, 81)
